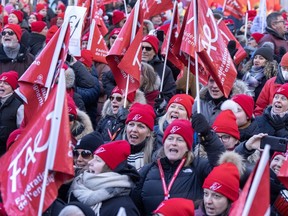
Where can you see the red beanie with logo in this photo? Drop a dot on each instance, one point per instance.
(117, 16)
(225, 122)
(16, 29)
(183, 128)
(224, 179)
(40, 7)
(72, 108)
(176, 206)
(19, 14)
(117, 90)
(246, 102)
(185, 100)
(283, 90)
(86, 58)
(61, 7)
(38, 26)
(143, 113)
(284, 60)
(11, 77)
(153, 41)
(114, 153)
(114, 31)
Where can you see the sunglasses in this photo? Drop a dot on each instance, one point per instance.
(118, 98)
(71, 117)
(10, 33)
(113, 37)
(147, 48)
(86, 154)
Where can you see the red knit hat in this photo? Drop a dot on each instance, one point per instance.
(183, 128)
(246, 102)
(16, 29)
(61, 15)
(114, 153)
(176, 206)
(51, 31)
(117, 16)
(40, 7)
(257, 36)
(71, 106)
(224, 179)
(283, 90)
(61, 7)
(225, 122)
(279, 153)
(185, 100)
(19, 15)
(86, 58)
(153, 41)
(117, 90)
(38, 26)
(284, 60)
(143, 113)
(38, 16)
(114, 31)
(11, 77)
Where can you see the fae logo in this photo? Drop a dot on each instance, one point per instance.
(177, 100)
(137, 117)
(174, 129)
(215, 186)
(100, 150)
(4, 78)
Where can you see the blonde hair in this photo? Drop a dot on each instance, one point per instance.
(148, 77)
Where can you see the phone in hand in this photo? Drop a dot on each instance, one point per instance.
(278, 144)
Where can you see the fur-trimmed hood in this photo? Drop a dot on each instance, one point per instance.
(270, 69)
(156, 85)
(82, 126)
(106, 110)
(239, 87)
(70, 78)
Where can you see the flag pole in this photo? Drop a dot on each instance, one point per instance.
(53, 136)
(134, 28)
(255, 184)
(196, 55)
(167, 48)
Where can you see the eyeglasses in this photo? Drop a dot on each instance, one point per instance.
(85, 154)
(118, 98)
(113, 37)
(71, 117)
(147, 48)
(224, 138)
(10, 33)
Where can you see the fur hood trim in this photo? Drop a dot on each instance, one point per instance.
(239, 87)
(107, 110)
(233, 157)
(149, 25)
(70, 77)
(84, 120)
(270, 69)
(156, 85)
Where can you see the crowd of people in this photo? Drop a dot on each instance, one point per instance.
(151, 152)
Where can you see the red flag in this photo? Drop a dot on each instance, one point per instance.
(283, 173)
(98, 19)
(152, 7)
(23, 165)
(174, 35)
(122, 65)
(228, 36)
(236, 8)
(33, 84)
(104, 2)
(260, 204)
(213, 50)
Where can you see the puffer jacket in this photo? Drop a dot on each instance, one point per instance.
(149, 193)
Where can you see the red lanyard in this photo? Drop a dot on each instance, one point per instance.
(167, 190)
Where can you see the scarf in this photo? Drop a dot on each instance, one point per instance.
(253, 78)
(273, 114)
(12, 52)
(92, 189)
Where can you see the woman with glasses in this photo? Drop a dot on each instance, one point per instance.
(114, 115)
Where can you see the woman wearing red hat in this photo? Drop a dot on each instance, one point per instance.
(105, 187)
(178, 173)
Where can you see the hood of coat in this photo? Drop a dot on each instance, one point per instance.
(70, 78)
(82, 124)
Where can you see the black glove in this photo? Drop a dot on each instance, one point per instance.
(122, 114)
(277, 122)
(200, 124)
(160, 105)
(232, 48)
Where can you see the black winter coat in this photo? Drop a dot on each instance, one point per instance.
(36, 43)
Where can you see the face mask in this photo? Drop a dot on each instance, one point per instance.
(285, 74)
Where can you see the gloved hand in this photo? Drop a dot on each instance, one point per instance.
(232, 48)
(160, 105)
(277, 122)
(122, 114)
(200, 124)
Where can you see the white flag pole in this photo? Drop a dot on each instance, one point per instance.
(257, 178)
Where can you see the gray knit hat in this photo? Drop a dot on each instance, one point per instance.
(266, 52)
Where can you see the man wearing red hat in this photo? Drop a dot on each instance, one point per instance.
(37, 37)
(13, 55)
(11, 108)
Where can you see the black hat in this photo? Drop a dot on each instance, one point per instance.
(266, 52)
(90, 141)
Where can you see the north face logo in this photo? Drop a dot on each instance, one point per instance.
(137, 117)
(174, 129)
(215, 186)
(100, 150)
(177, 100)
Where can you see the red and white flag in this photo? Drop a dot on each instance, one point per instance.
(124, 57)
(39, 77)
(283, 173)
(152, 7)
(236, 8)
(254, 200)
(23, 166)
